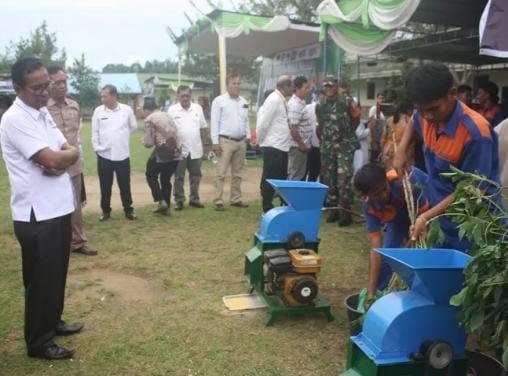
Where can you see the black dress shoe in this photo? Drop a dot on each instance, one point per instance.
(52, 352)
(198, 205)
(63, 329)
(104, 216)
(179, 206)
(240, 204)
(85, 251)
(131, 216)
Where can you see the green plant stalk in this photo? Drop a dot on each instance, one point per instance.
(482, 219)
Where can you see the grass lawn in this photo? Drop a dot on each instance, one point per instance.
(152, 299)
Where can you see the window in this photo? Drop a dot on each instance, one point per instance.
(371, 90)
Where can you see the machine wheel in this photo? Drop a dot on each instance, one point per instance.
(439, 355)
(305, 290)
(296, 239)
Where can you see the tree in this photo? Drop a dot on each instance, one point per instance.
(85, 81)
(5, 64)
(116, 68)
(41, 44)
(154, 66)
(303, 10)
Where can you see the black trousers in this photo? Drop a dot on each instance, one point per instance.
(275, 166)
(313, 163)
(106, 169)
(45, 249)
(158, 176)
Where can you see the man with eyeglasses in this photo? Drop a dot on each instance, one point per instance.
(37, 156)
(65, 113)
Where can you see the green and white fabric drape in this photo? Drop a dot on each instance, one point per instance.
(365, 27)
(231, 25)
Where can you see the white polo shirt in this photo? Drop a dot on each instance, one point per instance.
(111, 130)
(272, 125)
(229, 117)
(373, 112)
(189, 123)
(23, 132)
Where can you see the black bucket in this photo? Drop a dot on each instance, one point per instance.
(353, 315)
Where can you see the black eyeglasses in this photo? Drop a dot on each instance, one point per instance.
(38, 89)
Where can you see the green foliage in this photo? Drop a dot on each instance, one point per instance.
(482, 219)
(154, 66)
(397, 83)
(207, 66)
(303, 10)
(85, 82)
(41, 44)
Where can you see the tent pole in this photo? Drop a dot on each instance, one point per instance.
(358, 77)
(324, 53)
(222, 63)
(179, 65)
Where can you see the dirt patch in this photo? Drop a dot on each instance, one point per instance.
(141, 195)
(105, 284)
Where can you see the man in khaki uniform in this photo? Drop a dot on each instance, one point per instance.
(65, 113)
(230, 135)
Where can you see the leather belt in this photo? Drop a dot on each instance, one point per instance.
(232, 138)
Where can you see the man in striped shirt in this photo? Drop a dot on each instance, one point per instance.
(300, 128)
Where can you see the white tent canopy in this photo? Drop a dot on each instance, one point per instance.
(248, 35)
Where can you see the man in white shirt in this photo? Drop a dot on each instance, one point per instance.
(36, 155)
(191, 130)
(112, 125)
(300, 129)
(314, 154)
(230, 134)
(272, 128)
(376, 125)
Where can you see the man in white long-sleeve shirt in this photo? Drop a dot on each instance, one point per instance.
(230, 134)
(112, 124)
(274, 137)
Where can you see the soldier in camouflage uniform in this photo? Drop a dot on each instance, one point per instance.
(336, 129)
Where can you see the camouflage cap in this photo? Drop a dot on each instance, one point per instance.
(330, 80)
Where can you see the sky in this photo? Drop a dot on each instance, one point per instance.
(106, 31)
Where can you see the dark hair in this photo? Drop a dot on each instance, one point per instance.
(379, 94)
(369, 177)
(463, 88)
(149, 103)
(111, 89)
(491, 88)
(402, 108)
(232, 75)
(52, 69)
(22, 67)
(182, 88)
(299, 81)
(429, 82)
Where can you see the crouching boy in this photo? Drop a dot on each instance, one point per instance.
(387, 217)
